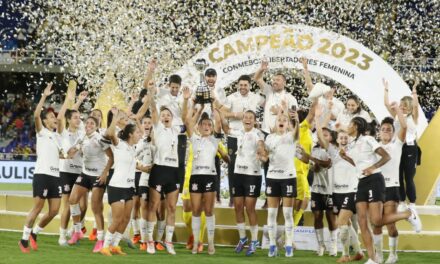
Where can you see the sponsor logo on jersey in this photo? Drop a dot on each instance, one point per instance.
(54, 169)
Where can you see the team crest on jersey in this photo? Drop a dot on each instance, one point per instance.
(66, 188)
(269, 190)
(159, 188)
(209, 185)
(44, 192)
(79, 179)
(194, 187)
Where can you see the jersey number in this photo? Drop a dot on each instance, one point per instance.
(289, 188)
(251, 188)
(346, 200)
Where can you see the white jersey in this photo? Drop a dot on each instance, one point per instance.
(165, 140)
(146, 159)
(411, 130)
(68, 140)
(282, 149)
(322, 182)
(390, 170)
(337, 108)
(93, 153)
(247, 161)
(48, 146)
(204, 152)
(345, 117)
(362, 152)
(343, 173)
(139, 148)
(274, 99)
(125, 165)
(239, 103)
(174, 103)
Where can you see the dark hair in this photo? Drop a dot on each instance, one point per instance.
(361, 125)
(164, 108)
(281, 74)
(44, 113)
(175, 79)
(388, 120)
(68, 115)
(142, 94)
(245, 78)
(333, 134)
(204, 117)
(124, 134)
(302, 114)
(372, 131)
(210, 72)
(98, 110)
(253, 113)
(94, 119)
(109, 118)
(358, 102)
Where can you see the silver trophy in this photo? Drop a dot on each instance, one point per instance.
(203, 93)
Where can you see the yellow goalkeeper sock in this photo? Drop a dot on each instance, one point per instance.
(202, 226)
(297, 216)
(187, 220)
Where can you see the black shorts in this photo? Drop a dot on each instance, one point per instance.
(46, 186)
(246, 185)
(164, 179)
(110, 175)
(371, 189)
(181, 152)
(144, 193)
(392, 194)
(344, 201)
(88, 181)
(202, 183)
(321, 202)
(116, 194)
(281, 188)
(67, 181)
(137, 177)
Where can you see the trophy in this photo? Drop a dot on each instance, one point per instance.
(203, 94)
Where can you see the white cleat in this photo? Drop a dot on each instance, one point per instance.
(379, 257)
(370, 261)
(414, 220)
(170, 248)
(392, 258)
(151, 249)
(321, 250)
(333, 251)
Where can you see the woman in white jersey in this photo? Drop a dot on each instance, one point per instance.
(71, 130)
(46, 183)
(281, 177)
(93, 177)
(409, 105)
(393, 145)
(352, 109)
(203, 174)
(363, 153)
(164, 178)
(321, 188)
(120, 188)
(247, 177)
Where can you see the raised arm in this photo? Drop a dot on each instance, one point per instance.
(110, 133)
(153, 107)
(322, 141)
(402, 120)
(386, 99)
(46, 93)
(186, 93)
(192, 119)
(81, 97)
(415, 111)
(70, 96)
(150, 71)
(217, 121)
(146, 104)
(258, 77)
(224, 123)
(307, 78)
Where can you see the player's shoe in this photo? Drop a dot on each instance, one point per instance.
(106, 252)
(273, 251)
(117, 251)
(150, 247)
(76, 236)
(289, 251)
(24, 246)
(93, 235)
(170, 248)
(240, 246)
(252, 247)
(190, 242)
(33, 241)
(98, 246)
(136, 238)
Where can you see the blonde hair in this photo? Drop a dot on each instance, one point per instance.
(409, 101)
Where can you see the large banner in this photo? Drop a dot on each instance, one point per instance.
(16, 171)
(335, 56)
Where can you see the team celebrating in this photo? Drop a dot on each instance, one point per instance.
(167, 143)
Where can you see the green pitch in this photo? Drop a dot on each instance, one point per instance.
(50, 252)
(15, 187)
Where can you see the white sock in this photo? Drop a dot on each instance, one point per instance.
(344, 235)
(116, 239)
(82, 223)
(169, 233)
(392, 242)
(108, 239)
(26, 233)
(150, 229)
(354, 239)
(320, 236)
(378, 243)
(63, 233)
(288, 225)
(75, 210)
(254, 232)
(210, 227)
(77, 227)
(272, 225)
(241, 230)
(37, 229)
(143, 226)
(334, 238)
(100, 235)
(126, 234)
(195, 225)
(160, 230)
(109, 217)
(135, 226)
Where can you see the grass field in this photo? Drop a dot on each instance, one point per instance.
(50, 252)
(15, 187)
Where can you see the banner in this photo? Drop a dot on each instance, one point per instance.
(16, 171)
(330, 54)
